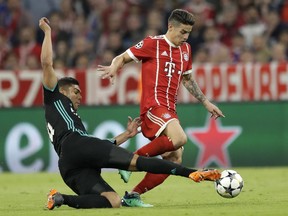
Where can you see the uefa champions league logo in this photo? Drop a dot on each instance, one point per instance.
(139, 45)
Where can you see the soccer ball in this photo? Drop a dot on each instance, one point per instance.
(230, 184)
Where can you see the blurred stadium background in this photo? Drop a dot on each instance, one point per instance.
(240, 51)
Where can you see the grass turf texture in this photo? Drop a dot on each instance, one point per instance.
(265, 193)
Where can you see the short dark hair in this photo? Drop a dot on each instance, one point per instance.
(182, 16)
(67, 81)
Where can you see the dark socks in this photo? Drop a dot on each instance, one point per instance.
(86, 201)
(159, 166)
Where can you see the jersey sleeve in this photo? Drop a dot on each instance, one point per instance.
(142, 50)
(51, 94)
(189, 65)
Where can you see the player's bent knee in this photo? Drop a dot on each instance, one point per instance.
(178, 160)
(116, 203)
(175, 158)
(132, 166)
(183, 139)
(180, 141)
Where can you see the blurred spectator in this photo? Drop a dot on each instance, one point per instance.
(82, 62)
(28, 46)
(155, 21)
(107, 57)
(274, 26)
(80, 47)
(114, 43)
(260, 49)
(247, 56)
(136, 9)
(114, 25)
(80, 27)
(284, 12)
(283, 39)
(68, 15)
(134, 31)
(237, 47)
(94, 21)
(217, 51)
(253, 25)
(11, 62)
(32, 63)
(228, 23)
(242, 7)
(161, 5)
(201, 56)
(278, 53)
(4, 48)
(104, 59)
(164, 7)
(12, 17)
(202, 7)
(61, 51)
(59, 64)
(118, 7)
(82, 7)
(40, 8)
(196, 38)
(150, 32)
(58, 34)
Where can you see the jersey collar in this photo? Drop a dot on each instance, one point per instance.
(169, 42)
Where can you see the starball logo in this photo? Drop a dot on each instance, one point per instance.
(213, 140)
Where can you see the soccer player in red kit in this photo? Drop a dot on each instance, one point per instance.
(166, 62)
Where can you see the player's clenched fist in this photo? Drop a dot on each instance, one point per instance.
(43, 24)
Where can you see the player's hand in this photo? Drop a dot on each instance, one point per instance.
(133, 126)
(106, 72)
(44, 24)
(213, 109)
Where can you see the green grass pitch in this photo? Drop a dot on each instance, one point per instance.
(265, 192)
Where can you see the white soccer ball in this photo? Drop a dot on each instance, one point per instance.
(230, 184)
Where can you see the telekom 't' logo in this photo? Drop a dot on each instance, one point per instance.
(169, 68)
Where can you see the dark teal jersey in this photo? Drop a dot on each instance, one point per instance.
(61, 117)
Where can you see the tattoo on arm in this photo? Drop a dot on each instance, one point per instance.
(192, 86)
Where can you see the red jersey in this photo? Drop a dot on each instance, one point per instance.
(163, 65)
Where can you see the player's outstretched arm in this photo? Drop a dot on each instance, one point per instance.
(131, 130)
(49, 76)
(109, 72)
(192, 86)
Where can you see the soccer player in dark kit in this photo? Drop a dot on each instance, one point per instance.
(81, 156)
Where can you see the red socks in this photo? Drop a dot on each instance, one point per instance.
(156, 147)
(149, 182)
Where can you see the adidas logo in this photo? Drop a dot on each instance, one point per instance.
(164, 53)
(173, 171)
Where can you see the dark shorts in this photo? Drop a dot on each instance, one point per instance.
(82, 158)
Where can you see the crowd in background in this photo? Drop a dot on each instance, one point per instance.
(91, 32)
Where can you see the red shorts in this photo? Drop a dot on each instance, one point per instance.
(155, 120)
